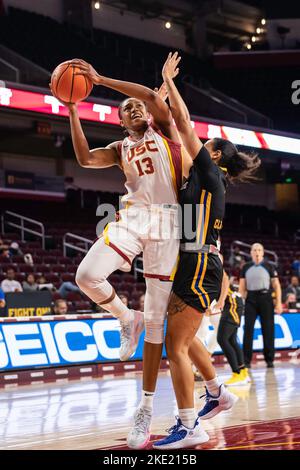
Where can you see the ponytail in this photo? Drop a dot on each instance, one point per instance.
(240, 166)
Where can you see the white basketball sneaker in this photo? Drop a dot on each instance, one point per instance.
(181, 437)
(139, 435)
(214, 405)
(130, 334)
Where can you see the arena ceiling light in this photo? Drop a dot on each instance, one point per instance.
(168, 24)
(97, 5)
(263, 21)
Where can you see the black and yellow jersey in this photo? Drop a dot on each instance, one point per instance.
(198, 279)
(202, 201)
(233, 308)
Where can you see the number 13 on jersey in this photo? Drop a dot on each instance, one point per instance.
(144, 166)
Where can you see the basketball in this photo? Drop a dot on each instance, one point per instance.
(69, 87)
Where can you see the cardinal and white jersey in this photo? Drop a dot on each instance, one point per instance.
(149, 222)
(152, 167)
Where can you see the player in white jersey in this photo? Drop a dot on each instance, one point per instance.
(151, 160)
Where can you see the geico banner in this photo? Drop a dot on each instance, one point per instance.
(52, 343)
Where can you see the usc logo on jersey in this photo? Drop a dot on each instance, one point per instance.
(146, 146)
(218, 224)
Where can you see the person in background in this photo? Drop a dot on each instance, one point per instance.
(3, 247)
(293, 288)
(60, 307)
(235, 258)
(5, 253)
(10, 284)
(2, 299)
(124, 299)
(43, 284)
(15, 250)
(67, 287)
(30, 285)
(291, 301)
(296, 265)
(142, 302)
(257, 279)
(227, 335)
(28, 259)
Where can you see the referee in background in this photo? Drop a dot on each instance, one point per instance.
(257, 278)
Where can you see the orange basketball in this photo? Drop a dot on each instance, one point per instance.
(69, 87)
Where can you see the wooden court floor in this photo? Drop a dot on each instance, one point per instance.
(96, 414)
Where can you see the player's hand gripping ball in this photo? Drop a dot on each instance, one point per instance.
(68, 85)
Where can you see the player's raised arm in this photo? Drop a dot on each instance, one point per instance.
(187, 161)
(179, 110)
(156, 106)
(97, 158)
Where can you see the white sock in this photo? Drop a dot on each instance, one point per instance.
(213, 386)
(118, 309)
(147, 399)
(187, 417)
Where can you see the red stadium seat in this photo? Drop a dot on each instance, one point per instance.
(51, 278)
(128, 286)
(124, 292)
(68, 277)
(71, 268)
(135, 295)
(114, 278)
(135, 304)
(40, 252)
(26, 268)
(82, 305)
(17, 259)
(42, 268)
(72, 296)
(58, 268)
(55, 295)
(49, 260)
(140, 286)
(10, 266)
(128, 278)
(65, 260)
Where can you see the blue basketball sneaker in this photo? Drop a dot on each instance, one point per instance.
(180, 437)
(214, 405)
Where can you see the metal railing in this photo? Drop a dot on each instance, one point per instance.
(12, 68)
(20, 222)
(247, 254)
(68, 244)
(29, 72)
(138, 266)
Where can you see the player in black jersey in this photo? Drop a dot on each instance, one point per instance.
(227, 335)
(199, 275)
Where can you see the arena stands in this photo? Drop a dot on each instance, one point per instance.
(30, 34)
(272, 229)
